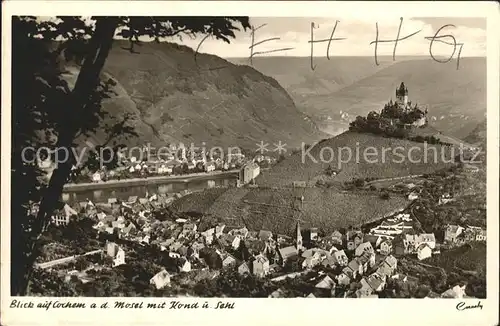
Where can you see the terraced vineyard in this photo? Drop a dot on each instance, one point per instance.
(197, 201)
(358, 155)
(468, 258)
(278, 209)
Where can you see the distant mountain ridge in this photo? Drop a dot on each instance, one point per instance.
(478, 134)
(174, 96)
(297, 77)
(341, 88)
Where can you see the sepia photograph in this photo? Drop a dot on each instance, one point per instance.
(248, 157)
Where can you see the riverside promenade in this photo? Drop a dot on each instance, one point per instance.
(74, 187)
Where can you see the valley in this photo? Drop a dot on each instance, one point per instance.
(344, 87)
(368, 197)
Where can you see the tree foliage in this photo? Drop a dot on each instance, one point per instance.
(52, 110)
(391, 123)
(231, 284)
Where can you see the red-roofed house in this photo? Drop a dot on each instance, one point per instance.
(424, 251)
(219, 230)
(183, 265)
(384, 270)
(391, 261)
(376, 282)
(337, 237)
(326, 283)
(341, 257)
(287, 253)
(365, 289)
(362, 248)
(344, 278)
(452, 232)
(260, 266)
(115, 252)
(386, 247)
(427, 238)
(367, 259)
(228, 261)
(312, 261)
(161, 279)
(243, 269)
(265, 235)
(355, 267)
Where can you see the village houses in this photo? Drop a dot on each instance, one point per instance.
(243, 269)
(347, 258)
(116, 253)
(452, 232)
(386, 247)
(362, 248)
(341, 258)
(228, 261)
(424, 251)
(161, 279)
(260, 266)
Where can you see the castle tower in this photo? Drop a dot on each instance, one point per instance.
(402, 95)
(299, 237)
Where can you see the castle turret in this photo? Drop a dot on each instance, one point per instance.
(402, 95)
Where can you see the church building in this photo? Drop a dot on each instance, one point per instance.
(299, 238)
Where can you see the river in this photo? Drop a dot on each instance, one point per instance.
(170, 186)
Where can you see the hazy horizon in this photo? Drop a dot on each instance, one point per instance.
(350, 37)
(354, 37)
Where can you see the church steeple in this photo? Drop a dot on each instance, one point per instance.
(299, 237)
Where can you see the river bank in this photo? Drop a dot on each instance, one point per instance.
(75, 187)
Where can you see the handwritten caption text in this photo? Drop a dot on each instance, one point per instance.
(172, 304)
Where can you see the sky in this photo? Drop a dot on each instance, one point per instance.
(295, 33)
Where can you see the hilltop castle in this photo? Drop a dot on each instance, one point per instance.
(402, 110)
(394, 118)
